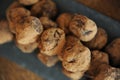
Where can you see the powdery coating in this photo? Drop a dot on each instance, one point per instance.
(82, 27)
(15, 4)
(113, 50)
(108, 73)
(76, 57)
(49, 61)
(99, 41)
(71, 41)
(47, 23)
(113, 74)
(63, 21)
(73, 75)
(29, 30)
(16, 16)
(45, 8)
(52, 41)
(27, 48)
(5, 34)
(28, 2)
(98, 58)
(78, 60)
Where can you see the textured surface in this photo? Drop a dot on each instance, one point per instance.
(110, 8)
(31, 62)
(11, 71)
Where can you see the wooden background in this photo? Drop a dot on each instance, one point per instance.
(108, 7)
(11, 71)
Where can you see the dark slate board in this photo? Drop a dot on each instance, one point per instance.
(31, 62)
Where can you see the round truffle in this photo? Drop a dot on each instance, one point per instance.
(71, 40)
(97, 59)
(52, 41)
(108, 73)
(63, 21)
(82, 27)
(76, 57)
(29, 30)
(113, 50)
(45, 8)
(15, 16)
(99, 41)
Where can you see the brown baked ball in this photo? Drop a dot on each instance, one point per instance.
(108, 73)
(76, 57)
(47, 23)
(15, 4)
(97, 59)
(5, 34)
(52, 41)
(15, 16)
(49, 61)
(99, 41)
(73, 75)
(63, 21)
(28, 31)
(79, 60)
(99, 56)
(10, 12)
(113, 50)
(45, 8)
(28, 2)
(71, 41)
(82, 27)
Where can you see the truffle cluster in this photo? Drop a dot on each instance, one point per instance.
(73, 39)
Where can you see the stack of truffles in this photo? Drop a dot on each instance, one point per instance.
(73, 39)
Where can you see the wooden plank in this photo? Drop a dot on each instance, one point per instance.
(108, 7)
(11, 71)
